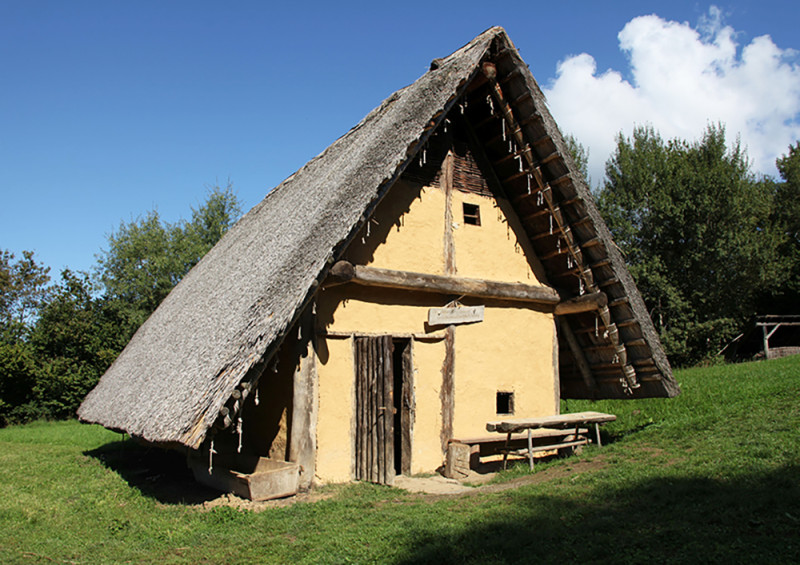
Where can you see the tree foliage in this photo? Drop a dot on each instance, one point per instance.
(787, 218)
(695, 227)
(56, 340)
(148, 256)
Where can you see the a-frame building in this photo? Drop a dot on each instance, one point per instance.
(440, 264)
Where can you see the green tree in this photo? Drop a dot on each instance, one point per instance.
(23, 289)
(24, 286)
(579, 154)
(787, 215)
(77, 336)
(148, 256)
(695, 227)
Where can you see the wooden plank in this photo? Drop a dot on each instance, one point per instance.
(557, 421)
(447, 392)
(449, 241)
(580, 304)
(303, 434)
(537, 433)
(407, 280)
(456, 315)
(388, 412)
(407, 407)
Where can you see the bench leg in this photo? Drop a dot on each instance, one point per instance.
(597, 434)
(505, 451)
(530, 449)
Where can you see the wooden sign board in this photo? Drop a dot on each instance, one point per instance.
(457, 315)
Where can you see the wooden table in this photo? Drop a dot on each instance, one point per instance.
(558, 421)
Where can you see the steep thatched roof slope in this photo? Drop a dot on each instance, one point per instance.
(229, 313)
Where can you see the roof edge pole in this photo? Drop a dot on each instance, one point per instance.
(577, 352)
(585, 275)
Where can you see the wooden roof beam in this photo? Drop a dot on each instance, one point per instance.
(345, 272)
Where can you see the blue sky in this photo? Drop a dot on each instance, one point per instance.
(110, 109)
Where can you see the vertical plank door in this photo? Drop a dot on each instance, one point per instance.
(374, 439)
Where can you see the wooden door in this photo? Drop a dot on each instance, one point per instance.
(374, 438)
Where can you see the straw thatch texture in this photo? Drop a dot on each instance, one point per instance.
(169, 383)
(232, 310)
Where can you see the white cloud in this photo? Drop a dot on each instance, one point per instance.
(682, 79)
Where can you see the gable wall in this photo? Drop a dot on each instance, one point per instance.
(510, 351)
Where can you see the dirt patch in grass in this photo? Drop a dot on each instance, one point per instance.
(233, 501)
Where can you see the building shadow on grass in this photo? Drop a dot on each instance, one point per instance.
(156, 473)
(692, 520)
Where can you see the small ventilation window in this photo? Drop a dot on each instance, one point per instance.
(472, 214)
(505, 402)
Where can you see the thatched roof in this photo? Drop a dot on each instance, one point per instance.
(227, 316)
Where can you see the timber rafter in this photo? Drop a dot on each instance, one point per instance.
(539, 191)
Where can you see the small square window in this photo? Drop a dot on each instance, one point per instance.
(505, 402)
(472, 214)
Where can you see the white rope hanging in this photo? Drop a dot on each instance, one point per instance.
(551, 224)
(504, 129)
(491, 104)
(596, 326)
(256, 398)
(528, 176)
(580, 286)
(239, 428)
(211, 453)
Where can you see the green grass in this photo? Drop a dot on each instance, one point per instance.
(712, 476)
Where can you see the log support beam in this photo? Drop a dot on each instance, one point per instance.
(344, 272)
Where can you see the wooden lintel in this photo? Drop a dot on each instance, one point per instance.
(387, 278)
(585, 303)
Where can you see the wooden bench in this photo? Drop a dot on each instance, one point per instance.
(465, 453)
(558, 422)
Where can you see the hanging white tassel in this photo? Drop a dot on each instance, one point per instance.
(446, 121)
(504, 130)
(551, 225)
(519, 158)
(299, 333)
(569, 262)
(239, 431)
(461, 108)
(314, 308)
(275, 364)
(540, 199)
(256, 398)
(211, 453)
(580, 286)
(558, 245)
(491, 105)
(528, 176)
(596, 326)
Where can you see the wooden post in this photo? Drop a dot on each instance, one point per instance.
(577, 353)
(447, 394)
(449, 242)
(303, 438)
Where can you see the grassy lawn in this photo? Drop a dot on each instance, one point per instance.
(712, 476)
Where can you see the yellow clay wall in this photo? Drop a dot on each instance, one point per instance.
(511, 350)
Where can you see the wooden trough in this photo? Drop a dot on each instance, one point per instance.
(254, 478)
